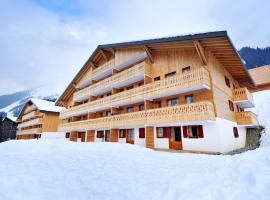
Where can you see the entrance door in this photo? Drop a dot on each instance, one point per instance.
(107, 136)
(175, 139)
(130, 136)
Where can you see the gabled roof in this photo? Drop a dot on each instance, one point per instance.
(42, 105)
(218, 42)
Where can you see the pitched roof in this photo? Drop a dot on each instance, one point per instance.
(42, 105)
(222, 46)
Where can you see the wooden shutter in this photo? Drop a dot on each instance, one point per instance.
(141, 133)
(185, 131)
(235, 132)
(200, 131)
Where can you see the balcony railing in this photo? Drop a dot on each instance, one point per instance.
(243, 98)
(195, 80)
(108, 66)
(130, 75)
(246, 118)
(31, 115)
(200, 111)
(31, 123)
(29, 131)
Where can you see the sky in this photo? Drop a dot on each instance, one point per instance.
(47, 42)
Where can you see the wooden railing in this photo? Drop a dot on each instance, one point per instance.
(139, 69)
(247, 118)
(199, 111)
(29, 131)
(30, 115)
(105, 67)
(31, 122)
(195, 78)
(242, 94)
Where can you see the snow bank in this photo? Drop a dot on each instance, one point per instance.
(51, 169)
(262, 109)
(53, 136)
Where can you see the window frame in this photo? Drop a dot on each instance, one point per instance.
(122, 133)
(171, 100)
(141, 133)
(186, 69)
(132, 107)
(170, 75)
(231, 105)
(227, 82)
(100, 134)
(188, 96)
(235, 132)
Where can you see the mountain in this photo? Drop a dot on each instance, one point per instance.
(255, 57)
(12, 104)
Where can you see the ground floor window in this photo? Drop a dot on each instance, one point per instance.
(193, 131)
(235, 132)
(163, 132)
(141, 132)
(100, 134)
(122, 133)
(67, 135)
(79, 135)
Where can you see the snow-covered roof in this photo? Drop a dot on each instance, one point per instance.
(46, 105)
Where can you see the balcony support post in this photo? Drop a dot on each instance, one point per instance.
(114, 135)
(149, 137)
(73, 136)
(90, 137)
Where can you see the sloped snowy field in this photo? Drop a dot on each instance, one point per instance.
(53, 169)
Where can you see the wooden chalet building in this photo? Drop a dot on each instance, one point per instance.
(37, 116)
(8, 128)
(185, 92)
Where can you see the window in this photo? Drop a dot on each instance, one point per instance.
(231, 105)
(79, 135)
(130, 109)
(141, 133)
(193, 131)
(67, 135)
(171, 74)
(158, 104)
(227, 82)
(163, 132)
(109, 94)
(172, 102)
(130, 135)
(141, 107)
(189, 98)
(235, 132)
(122, 133)
(100, 134)
(108, 113)
(186, 69)
(157, 78)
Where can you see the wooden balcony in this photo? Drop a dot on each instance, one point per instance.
(103, 70)
(246, 118)
(29, 131)
(195, 112)
(243, 98)
(128, 76)
(32, 114)
(31, 123)
(30, 108)
(195, 80)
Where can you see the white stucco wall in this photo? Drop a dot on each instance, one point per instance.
(138, 141)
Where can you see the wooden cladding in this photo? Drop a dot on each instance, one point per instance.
(246, 118)
(140, 69)
(90, 136)
(182, 82)
(183, 113)
(114, 135)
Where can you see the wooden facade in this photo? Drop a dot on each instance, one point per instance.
(34, 120)
(183, 80)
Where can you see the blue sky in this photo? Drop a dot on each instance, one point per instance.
(47, 42)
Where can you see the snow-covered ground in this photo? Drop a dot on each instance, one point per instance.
(55, 169)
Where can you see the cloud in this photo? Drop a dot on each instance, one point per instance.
(47, 42)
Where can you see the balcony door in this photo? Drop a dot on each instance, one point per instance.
(130, 136)
(107, 136)
(175, 140)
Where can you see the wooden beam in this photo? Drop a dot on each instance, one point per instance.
(93, 65)
(104, 55)
(200, 52)
(148, 52)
